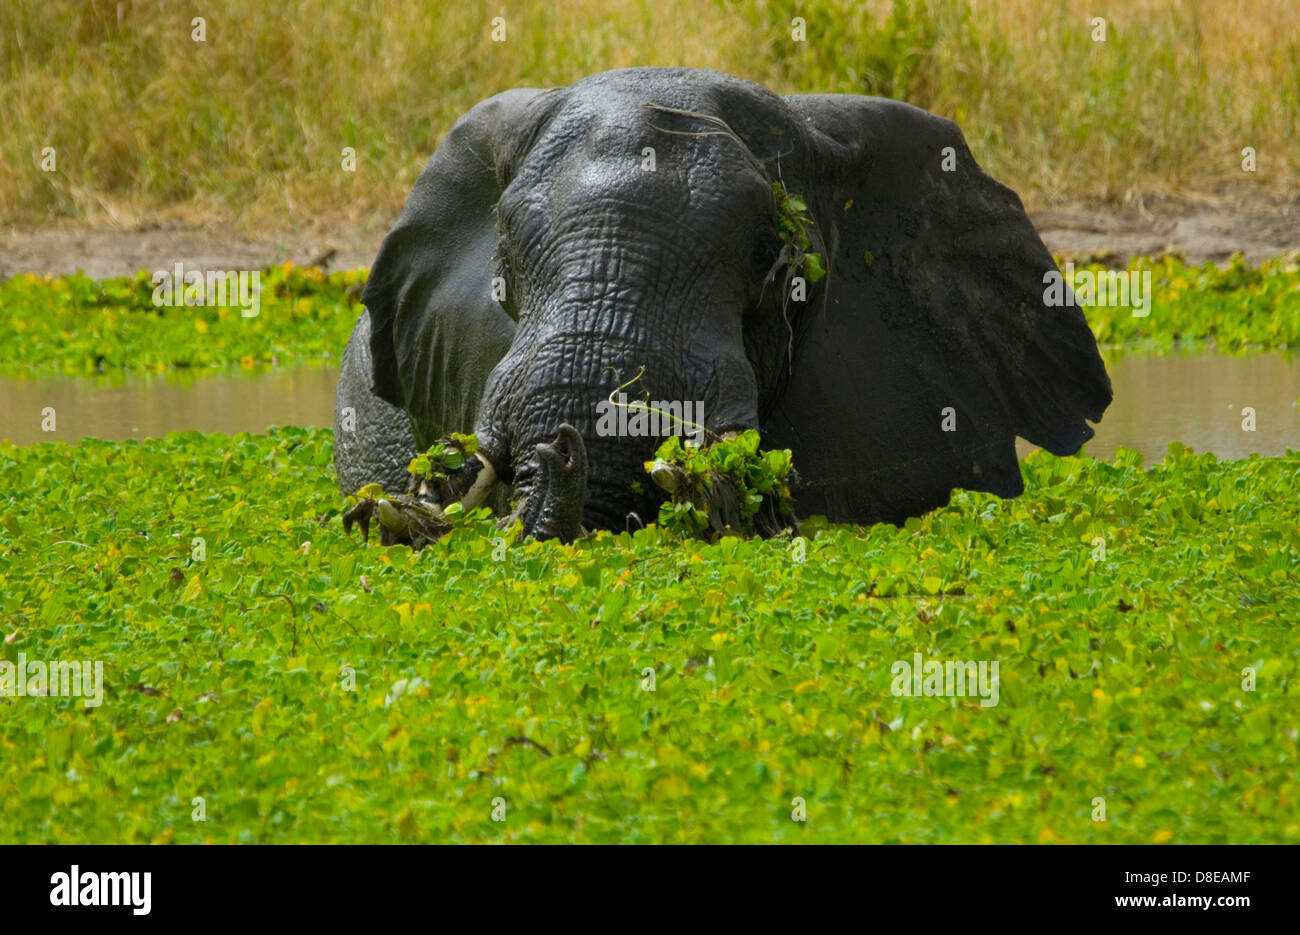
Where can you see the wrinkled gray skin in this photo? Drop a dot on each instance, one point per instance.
(609, 268)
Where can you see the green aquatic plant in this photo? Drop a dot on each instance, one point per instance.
(1231, 307)
(75, 325)
(446, 454)
(429, 508)
(793, 226)
(641, 687)
(723, 487)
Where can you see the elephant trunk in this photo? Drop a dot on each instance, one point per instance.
(546, 421)
(569, 470)
(551, 505)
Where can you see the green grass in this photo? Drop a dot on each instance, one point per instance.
(519, 675)
(249, 126)
(75, 325)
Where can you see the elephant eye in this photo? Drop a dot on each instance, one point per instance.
(503, 285)
(764, 247)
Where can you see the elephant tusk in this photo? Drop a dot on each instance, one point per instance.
(483, 483)
(664, 476)
(391, 518)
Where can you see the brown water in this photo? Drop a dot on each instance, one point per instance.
(1196, 399)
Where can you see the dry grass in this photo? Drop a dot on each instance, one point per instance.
(248, 127)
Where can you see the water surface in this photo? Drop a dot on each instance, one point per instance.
(1196, 399)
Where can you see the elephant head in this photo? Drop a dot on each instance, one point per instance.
(648, 222)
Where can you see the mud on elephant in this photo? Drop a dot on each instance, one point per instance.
(833, 270)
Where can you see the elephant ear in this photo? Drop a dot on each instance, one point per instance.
(930, 347)
(436, 330)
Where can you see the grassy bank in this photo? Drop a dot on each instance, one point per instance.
(251, 123)
(75, 325)
(307, 688)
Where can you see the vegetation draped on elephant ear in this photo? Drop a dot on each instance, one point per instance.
(437, 326)
(930, 347)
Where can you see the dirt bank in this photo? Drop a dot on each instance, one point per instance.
(1203, 229)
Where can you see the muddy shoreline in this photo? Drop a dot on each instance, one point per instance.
(1202, 229)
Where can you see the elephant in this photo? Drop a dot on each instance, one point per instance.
(891, 330)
